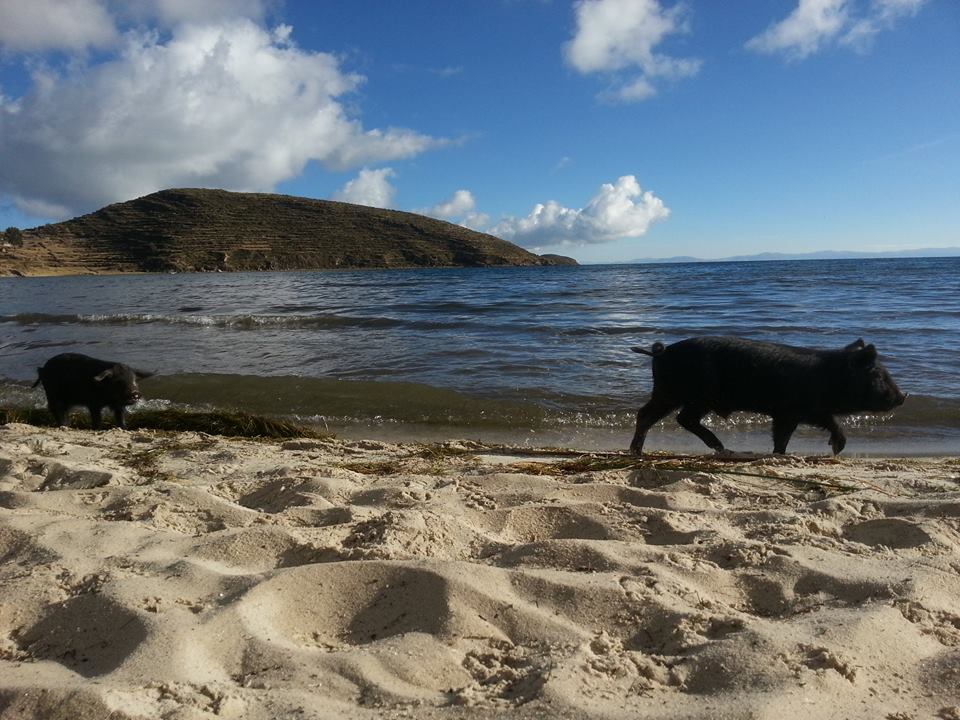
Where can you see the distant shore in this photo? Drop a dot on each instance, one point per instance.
(41, 272)
(946, 252)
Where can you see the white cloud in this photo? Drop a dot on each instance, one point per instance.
(619, 210)
(815, 23)
(77, 25)
(232, 105)
(883, 15)
(370, 187)
(39, 25)
(802, 32)
(619, 37)
(635, 91)
(461, 203)
(461, 208)
(377, 145)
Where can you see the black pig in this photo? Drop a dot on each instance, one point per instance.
(72, 379)
(791, 384)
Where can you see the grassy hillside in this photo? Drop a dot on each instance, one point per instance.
(192, 230)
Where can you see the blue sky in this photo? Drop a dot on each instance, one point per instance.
(604, 129)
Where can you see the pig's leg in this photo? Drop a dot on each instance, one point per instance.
(95, 417)
(649, 415)
(783, 428)
(690, 417)
(837, 439)
(119, 415)
(59, 412)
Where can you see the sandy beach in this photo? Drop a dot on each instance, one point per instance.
(187, 576)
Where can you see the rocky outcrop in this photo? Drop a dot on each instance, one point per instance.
(558, 259)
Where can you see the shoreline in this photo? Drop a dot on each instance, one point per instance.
(150, 574)
(416, 412)
(755, 442)
(53, 272)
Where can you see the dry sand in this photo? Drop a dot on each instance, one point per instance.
(147, 575)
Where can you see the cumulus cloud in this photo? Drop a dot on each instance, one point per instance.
(39, 25)
(619, 38)
(229, 105)
(815, 23)
(77, 25)
(461, 208)
(461, 203)
(619, 210)
(370, 187)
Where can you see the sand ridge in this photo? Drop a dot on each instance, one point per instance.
(158, 575)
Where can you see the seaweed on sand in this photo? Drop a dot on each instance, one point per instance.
(667, 467)
(215, 422)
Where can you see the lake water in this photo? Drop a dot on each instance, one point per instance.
(527, 355)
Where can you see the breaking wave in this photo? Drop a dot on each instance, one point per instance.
(235, 322)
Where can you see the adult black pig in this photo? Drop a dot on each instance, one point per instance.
(791, 384)
(72, 379)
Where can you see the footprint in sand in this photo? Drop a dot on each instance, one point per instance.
(889, 532)
(90, 634)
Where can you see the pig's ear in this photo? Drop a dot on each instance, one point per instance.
(855, 345)
(141, 374)
(104, 375)
(867, 356)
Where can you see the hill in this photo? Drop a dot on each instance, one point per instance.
(193, 230)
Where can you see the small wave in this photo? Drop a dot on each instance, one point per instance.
(20, 394)
(610, 330)
(235, 322)
(40, 319)
(926, 411)
(356, 400)
(330, 321)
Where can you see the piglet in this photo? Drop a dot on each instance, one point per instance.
(791, 384)
(72, 379)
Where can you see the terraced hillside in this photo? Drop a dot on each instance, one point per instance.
(191, 230)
